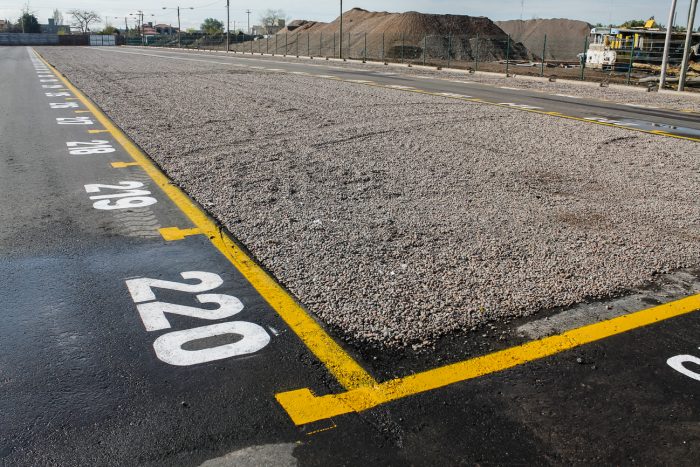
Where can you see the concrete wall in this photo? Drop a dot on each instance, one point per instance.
(28, 39)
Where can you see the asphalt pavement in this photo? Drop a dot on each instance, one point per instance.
(136, 331)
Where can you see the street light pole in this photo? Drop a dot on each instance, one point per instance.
(179, 29)
(688, 43)
(179, 26)
(248, 12)
(667, 44)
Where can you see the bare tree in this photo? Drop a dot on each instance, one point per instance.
(83, 18)
(57, 17)
(270, 20)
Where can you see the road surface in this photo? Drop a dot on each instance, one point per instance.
(135, 331)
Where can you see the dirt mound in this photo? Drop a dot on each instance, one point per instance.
(565, 37)
(406, 34)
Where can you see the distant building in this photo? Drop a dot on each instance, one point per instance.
(149, 30)
(53, 28)
(262, 30)
(4, 24)
(165, 29)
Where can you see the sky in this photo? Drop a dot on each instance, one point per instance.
(593, 11)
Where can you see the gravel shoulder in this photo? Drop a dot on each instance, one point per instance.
(398, 218)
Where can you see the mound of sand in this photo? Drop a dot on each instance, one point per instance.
(565, 37)
(408, 33)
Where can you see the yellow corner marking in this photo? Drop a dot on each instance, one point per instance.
(82, 111)
(346, 370)
(123, 165)
(71, 98)
(172, 234)
(93, 132)
(304, 407)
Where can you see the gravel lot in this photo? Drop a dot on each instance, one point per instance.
(689, 101)
(398, 217)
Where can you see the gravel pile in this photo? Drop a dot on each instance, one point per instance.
(398, 217)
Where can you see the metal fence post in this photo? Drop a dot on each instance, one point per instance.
(251, 45)
(349, 50)
(507, 54)
(476, 55)
(365, 54)
(333, 45)
(449, 49)
(276, 45)
(286, 43)
(298, 34)
(584, 58)
(308, 44)
(629, 69)
(320, 45)
(425, 47)
(403, 45)
(267, 46)
(544, 52)
(382, 47)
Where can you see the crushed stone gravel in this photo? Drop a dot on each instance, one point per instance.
(634, 94)
(398, 218)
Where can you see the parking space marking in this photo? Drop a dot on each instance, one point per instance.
(362, 391)
(342, 366)
(304, 407)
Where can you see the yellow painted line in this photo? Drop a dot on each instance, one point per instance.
(93, 132)
(304, 407)
(123, 165)
(346, 370)
(172, 234)
(82, 111)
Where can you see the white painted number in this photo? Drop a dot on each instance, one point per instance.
(170, 347)
(153, 313)
(74, 121)
(63, 105)
(95, 146)
(127, 197)
(142, 289)
(679, 362)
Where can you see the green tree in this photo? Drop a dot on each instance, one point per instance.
(212, 27)
(28, 23)
(110, 30)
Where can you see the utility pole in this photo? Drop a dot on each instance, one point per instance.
(688, 43)
(248, 12)
(179, 27)
(667, 44)
(341, 28)
(139, 22)
(228, 24)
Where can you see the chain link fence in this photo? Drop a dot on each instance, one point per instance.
(633, 59)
